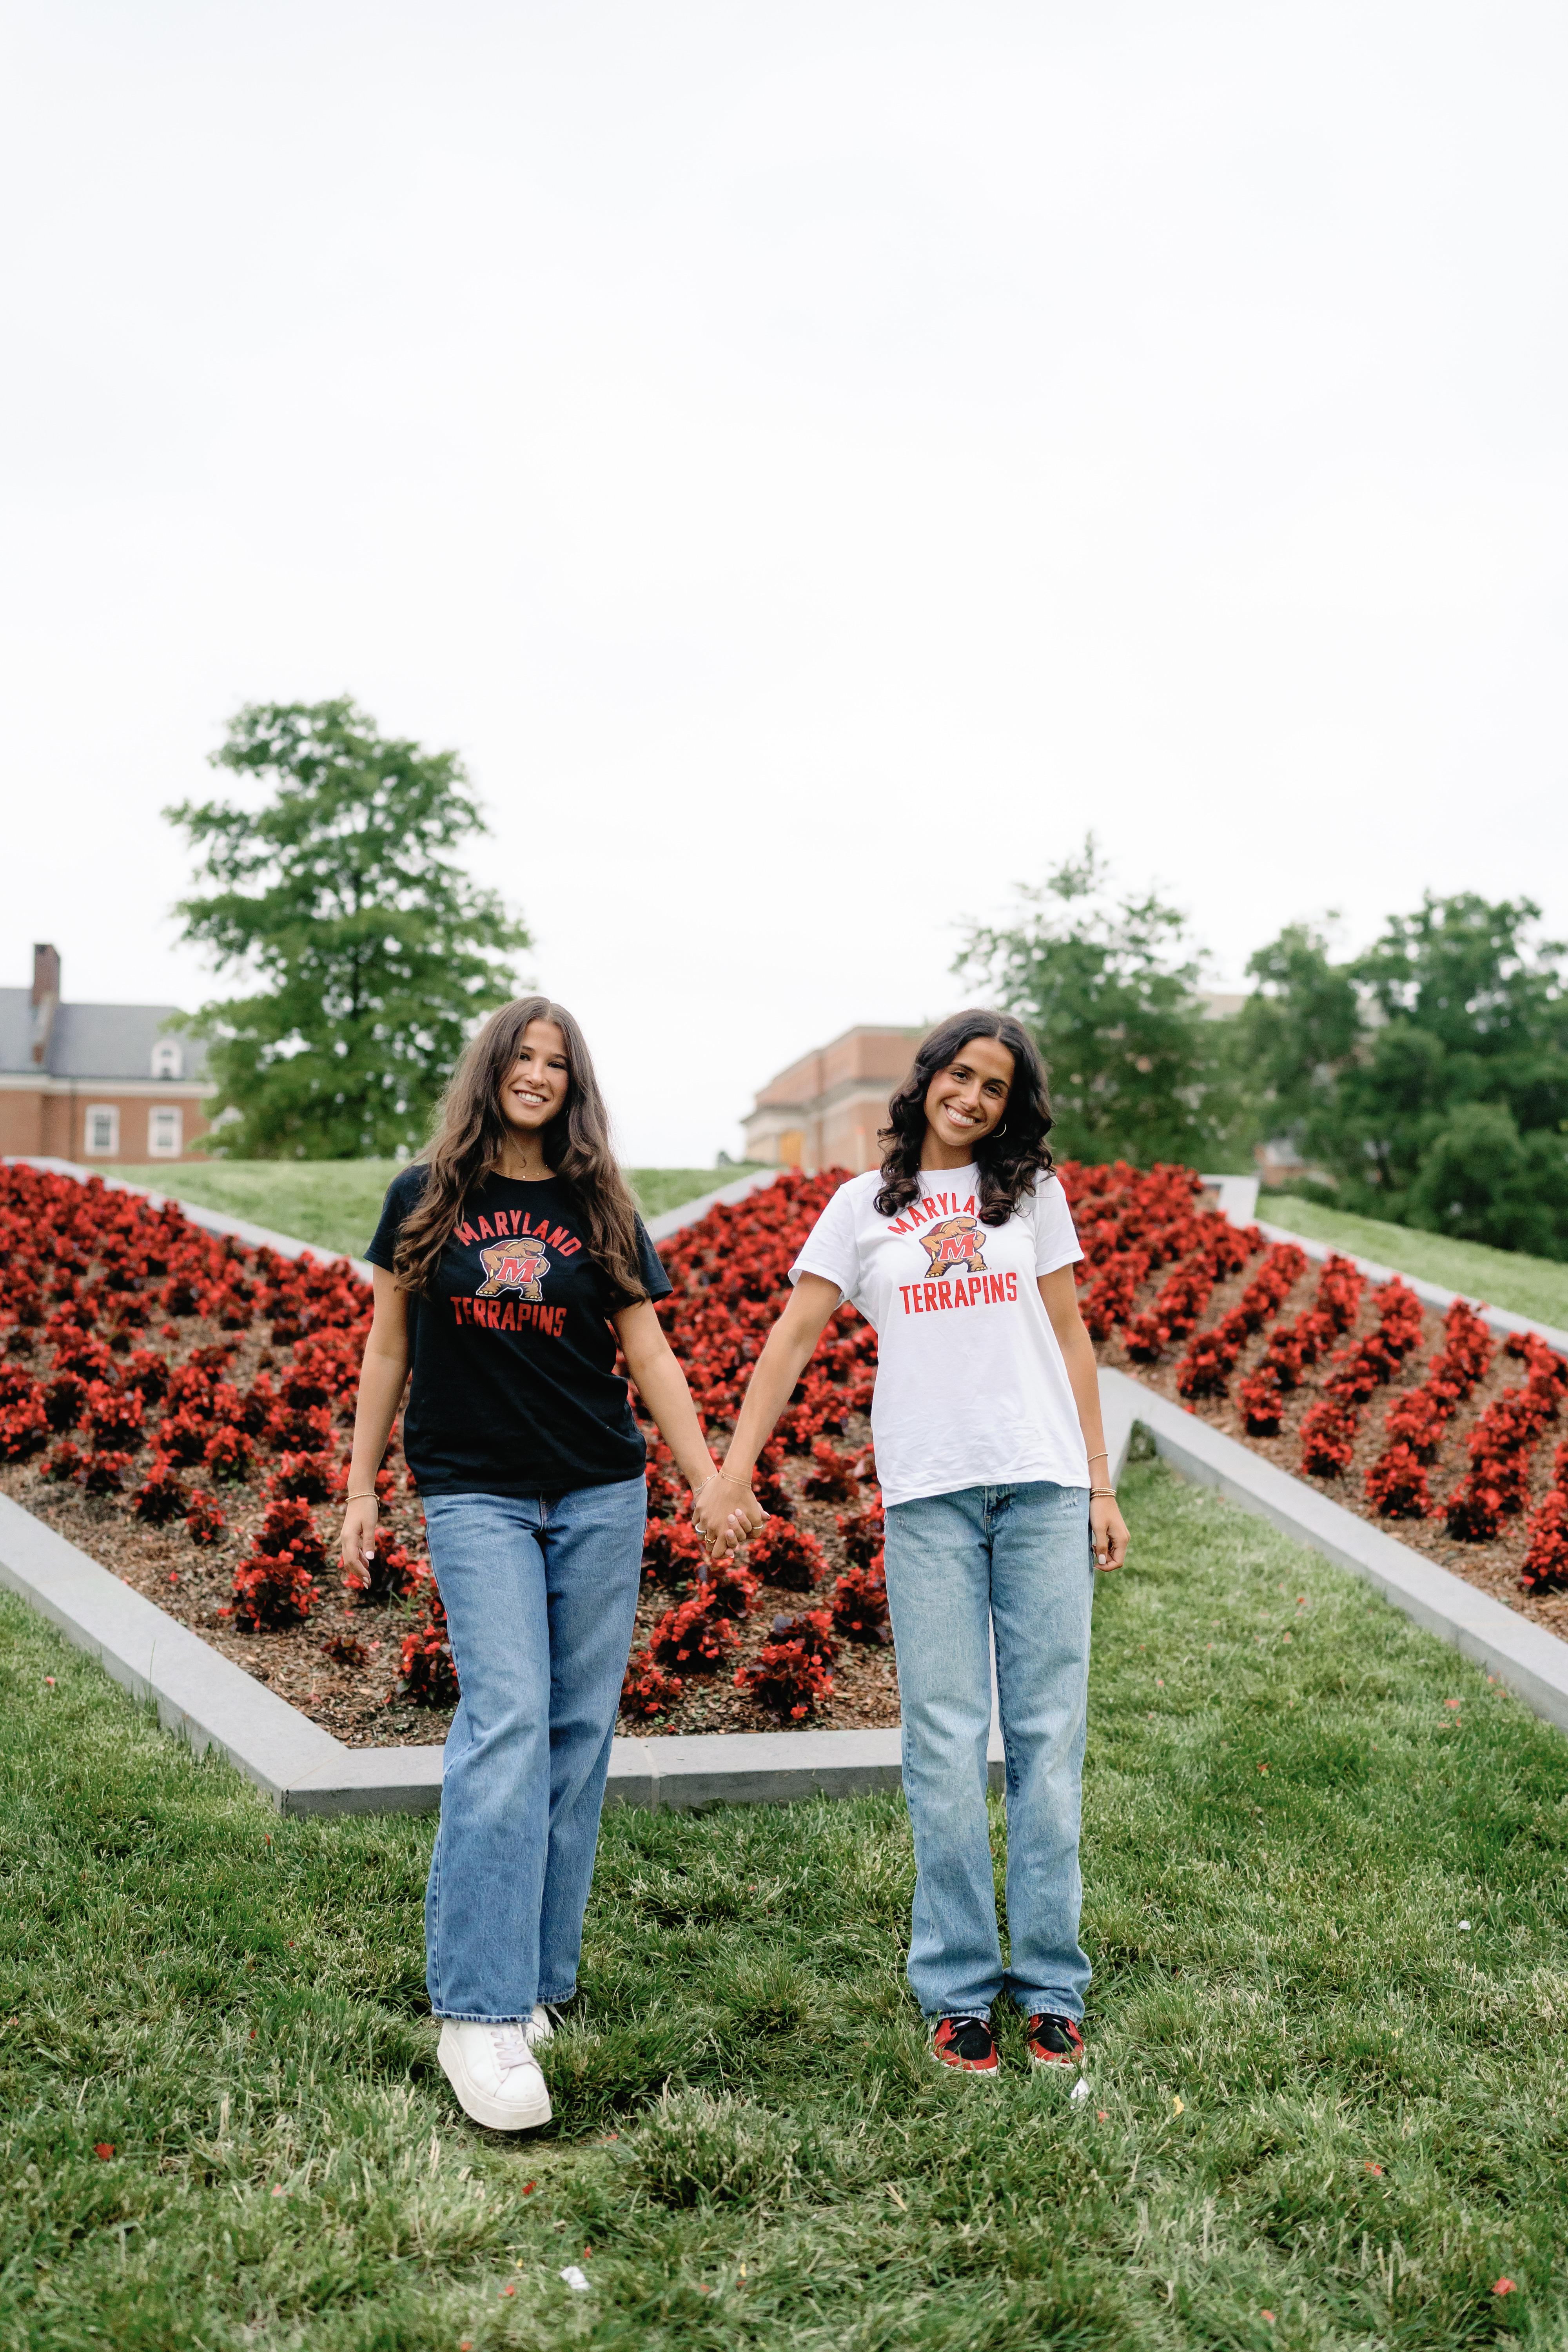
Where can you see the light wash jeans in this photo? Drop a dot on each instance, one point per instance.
(541, 1594)
(1017, 1557)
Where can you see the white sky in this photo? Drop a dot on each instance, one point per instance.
(813, 461)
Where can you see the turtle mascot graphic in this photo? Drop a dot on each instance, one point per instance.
(513, 1266)
(956, 1242)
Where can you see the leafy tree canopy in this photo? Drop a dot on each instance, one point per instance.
(1106, 985)
(371, 950)
(1299, 1027)
(1431, 1073)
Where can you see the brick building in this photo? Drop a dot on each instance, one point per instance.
(824, 1110)
(95, 1082)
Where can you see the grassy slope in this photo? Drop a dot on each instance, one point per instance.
(1537, 1287)
(335, 1202)
(235, 2002)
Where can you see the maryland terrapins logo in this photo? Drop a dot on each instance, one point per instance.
(513, 1266)
(957, 1241)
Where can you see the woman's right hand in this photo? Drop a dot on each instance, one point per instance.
(356, 1545)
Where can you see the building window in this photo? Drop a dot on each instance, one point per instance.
(101, 1138)
(167, 1061)
(164, 1134)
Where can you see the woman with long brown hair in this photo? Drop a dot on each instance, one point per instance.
(510, 1261)
(960, 1251)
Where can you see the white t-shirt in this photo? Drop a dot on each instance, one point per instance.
(971, 1387)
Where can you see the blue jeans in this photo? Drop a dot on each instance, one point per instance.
(540, 1592)
(1018, 1559)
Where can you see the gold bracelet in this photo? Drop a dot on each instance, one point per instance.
(1102, 1491)
(1101, 1456)
(372, 1496)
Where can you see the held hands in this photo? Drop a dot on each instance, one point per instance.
(725, 1512)
(1106, 1532)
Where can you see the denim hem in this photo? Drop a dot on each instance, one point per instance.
(557, 1999)
(982, 2015)
(470, 2017)
(1050, 2005)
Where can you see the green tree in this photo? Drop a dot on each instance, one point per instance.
(1431, 1073)
(1463, 972)
(372, 950)
(1298, 1030)
(1107, 987)
(1479, 1178)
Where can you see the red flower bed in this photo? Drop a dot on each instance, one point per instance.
(1546, 1561)
(788, 1556)
(860, 1605)
(429, 1675)
(863, 1533)
(200, 1392)
(1397, 1485)
(1327, 1351)
(672, 1554)
(273, 1588)
(153, 1351)
(693, 1638)
(792, 1673)
(1501, 1446)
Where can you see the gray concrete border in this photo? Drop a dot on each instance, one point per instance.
(211, 1703)
(1238, 1197)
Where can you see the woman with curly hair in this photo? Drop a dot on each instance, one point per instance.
(992, 1459)
(509, 1262)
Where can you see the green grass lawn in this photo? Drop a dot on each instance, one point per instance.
(1537, 1287)
(335, 1202)
(1315, 2092)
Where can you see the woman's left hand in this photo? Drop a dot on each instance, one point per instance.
(1107, 1533)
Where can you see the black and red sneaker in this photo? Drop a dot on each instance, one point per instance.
(966, 2044)
(1054, 2041)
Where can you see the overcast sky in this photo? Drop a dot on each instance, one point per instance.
(813, 460)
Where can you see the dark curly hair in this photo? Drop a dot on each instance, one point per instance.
(1009, 1158)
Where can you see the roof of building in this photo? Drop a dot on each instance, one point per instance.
(94, 1041)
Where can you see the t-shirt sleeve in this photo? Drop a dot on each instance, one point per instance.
(1056, 1241)
(401, 1195)
(830, 1248)
(657, 1283)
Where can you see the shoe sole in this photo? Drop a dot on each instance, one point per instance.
(1058, 2065)
(496, 2115)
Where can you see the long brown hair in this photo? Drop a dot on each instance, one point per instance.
(471, 1135)
(1010, 1157)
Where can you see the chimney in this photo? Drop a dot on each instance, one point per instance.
(46, 997)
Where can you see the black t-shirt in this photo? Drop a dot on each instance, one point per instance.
(515, 1389)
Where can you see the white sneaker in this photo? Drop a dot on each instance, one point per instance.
(495, 2074)
(541, 2027)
